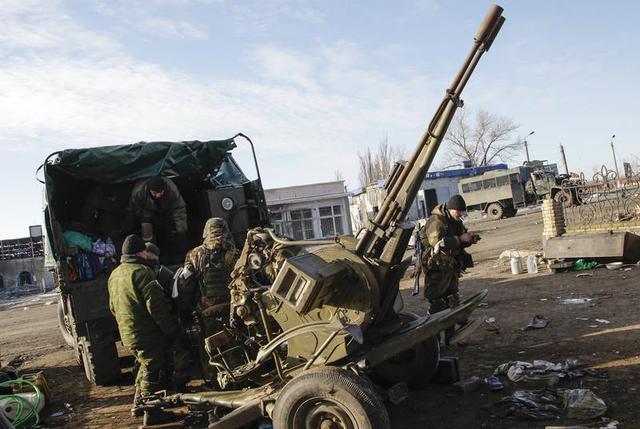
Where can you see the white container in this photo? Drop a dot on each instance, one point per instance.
(516, 268)
(532, 264)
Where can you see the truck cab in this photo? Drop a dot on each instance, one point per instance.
(211, 184)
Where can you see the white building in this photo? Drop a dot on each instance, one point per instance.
(319, 210)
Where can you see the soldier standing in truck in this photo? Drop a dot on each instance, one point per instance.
(157, 204)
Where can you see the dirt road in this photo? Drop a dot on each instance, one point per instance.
(32, 335)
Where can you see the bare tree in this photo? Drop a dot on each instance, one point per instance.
(376, 165)
(486, 140)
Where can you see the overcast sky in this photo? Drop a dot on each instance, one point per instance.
(312, 82)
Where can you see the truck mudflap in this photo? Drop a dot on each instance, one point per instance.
(417, 331)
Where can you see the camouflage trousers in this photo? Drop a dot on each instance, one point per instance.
(154, 367)
(439, 285)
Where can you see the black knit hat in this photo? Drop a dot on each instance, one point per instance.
(456, 203)
(132, 245)
(156, 184)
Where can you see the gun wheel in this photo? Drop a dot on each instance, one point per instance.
(329, 398)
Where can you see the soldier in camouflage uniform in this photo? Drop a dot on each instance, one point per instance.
(443, 240)
(205, 277)
(148, 326)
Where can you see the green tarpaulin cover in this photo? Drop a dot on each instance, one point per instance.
(117, 164)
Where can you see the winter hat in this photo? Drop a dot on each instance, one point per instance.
(456, 203)
(132, 245)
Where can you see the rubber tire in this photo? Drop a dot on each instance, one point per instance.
(100, 362)
(417, 372)
(67, 336)
(495, 211)
(564, 198)
(352, 393)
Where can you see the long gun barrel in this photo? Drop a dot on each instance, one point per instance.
(404, 181)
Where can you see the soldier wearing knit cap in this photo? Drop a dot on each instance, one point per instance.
(144, 313)
(444, 240)
(158, 206)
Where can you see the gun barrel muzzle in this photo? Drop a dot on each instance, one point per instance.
(490, 22)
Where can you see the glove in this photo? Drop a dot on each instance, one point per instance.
(468, 238)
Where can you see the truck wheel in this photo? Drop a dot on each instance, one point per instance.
(415, 366)
(65, 329)
(100, 361)
(329, 397)
(565, 198)
(495, 211)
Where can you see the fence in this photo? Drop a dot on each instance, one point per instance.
(606, 202)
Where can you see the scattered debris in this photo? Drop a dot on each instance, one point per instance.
(491, 324)
(538, 322)
(576, 301)
(493, 383)
(582, 318)
(583, 404)
(628, 269)
(584, 275)
(540, 370)
(614, 266)
(543, 299)
(582, 265)
(58, 414)
(548, 403)
(483, 304)
(604, 321)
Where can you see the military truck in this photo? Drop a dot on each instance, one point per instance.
(501, 193)
(211, 183)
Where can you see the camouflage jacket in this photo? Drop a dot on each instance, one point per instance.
(142, 309)
(440, 239)
(193, 272)
(171, 205)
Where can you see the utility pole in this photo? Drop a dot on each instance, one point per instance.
(564, 160)
(526, 145)
(615, 161)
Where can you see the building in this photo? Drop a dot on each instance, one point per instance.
(22, 264)
(436, 188)
(304, 212)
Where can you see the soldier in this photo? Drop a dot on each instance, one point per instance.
(207, 269)
(443, 239)
(204, 281)
(147, 323)
(158, 206)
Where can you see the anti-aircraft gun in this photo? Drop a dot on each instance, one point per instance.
(313, 322)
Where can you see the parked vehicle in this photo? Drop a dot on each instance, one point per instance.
(501, 193)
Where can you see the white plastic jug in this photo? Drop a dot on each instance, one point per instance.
(532, 264)
(515, 264)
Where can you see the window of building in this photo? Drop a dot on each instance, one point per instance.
(277, 221)
(331, 221)
(25, 278)
(302, 224)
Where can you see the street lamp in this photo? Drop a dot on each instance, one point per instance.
(526, 146)
(615, 162)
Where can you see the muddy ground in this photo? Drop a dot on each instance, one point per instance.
(29, 333)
